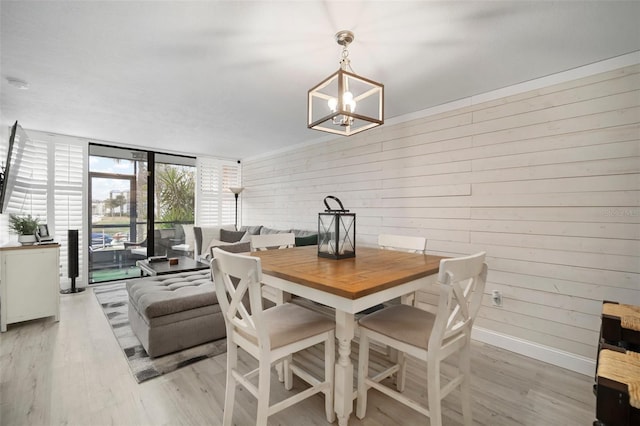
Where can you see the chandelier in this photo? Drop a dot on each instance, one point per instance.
(345, 103)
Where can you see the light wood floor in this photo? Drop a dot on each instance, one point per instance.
(74, 373)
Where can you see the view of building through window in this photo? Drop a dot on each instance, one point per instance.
(119, 191)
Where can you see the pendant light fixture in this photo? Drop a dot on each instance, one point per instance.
(345, 103)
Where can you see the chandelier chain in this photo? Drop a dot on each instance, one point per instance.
(345, 62)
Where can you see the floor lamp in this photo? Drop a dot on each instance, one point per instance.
(236, 191)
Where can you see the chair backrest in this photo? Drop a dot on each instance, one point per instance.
(189, 238)
(462, 281)
(272, 241)
(402, 243)
(235, 275)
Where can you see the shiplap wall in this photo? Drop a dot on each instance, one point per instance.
(546, 182)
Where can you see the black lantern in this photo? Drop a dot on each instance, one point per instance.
(336, 232)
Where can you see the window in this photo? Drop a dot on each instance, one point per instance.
(49, 186)
(53, 185)
(215, 204)
(68, 198)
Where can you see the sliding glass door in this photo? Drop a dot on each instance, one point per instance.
(124, 226)
(118, 214)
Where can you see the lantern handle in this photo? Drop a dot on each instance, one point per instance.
(329, 209)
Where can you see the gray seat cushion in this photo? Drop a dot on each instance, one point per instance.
(168, 294)
(402, 322)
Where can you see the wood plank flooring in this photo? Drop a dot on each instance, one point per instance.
(74, 373)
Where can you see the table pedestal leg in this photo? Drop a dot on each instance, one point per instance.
(344, 367)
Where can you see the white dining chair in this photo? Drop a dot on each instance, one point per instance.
(431, 338)
(273, 241)
(269, 335)
(406, 243)
(410, 244)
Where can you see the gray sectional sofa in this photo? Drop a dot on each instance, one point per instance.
(227, 238)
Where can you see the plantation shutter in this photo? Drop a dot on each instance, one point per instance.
(49, 186)
(29, 193)
(215, 204)
(68, 199)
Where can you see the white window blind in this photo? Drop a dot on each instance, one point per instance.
(215, 204)
(29, 193)
(68, 199)
(49, 185)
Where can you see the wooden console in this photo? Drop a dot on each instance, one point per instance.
(29, 283)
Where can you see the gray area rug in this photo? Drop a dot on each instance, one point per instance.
(113, 300)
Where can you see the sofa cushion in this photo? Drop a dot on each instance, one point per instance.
(266, 230)
(203, 236)
(252, 230)
(238, 247)
(303, 232)
(309, 240)
(231, 236)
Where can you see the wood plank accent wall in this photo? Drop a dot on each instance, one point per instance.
(547, 182)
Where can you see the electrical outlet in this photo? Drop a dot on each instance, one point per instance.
(496, 298)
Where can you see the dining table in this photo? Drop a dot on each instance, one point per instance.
(349, 286)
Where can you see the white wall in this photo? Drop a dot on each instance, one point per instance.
(546, 181)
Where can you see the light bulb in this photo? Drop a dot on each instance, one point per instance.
(348, 102)
(333, 104)
(352, 106)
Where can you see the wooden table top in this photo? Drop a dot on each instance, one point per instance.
(372, 269)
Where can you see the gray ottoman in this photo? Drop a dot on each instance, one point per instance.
(172, 312)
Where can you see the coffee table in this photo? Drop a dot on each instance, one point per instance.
(185, 264)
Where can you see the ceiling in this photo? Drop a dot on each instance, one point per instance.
(230, 78)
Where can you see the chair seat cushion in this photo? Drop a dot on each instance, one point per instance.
(404, 323)
(290, 323)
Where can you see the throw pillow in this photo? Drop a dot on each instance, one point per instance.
(213, 243)
(233, 248)
(266, 230)
(303, 232)
(231, 236)
(252, 230)
(246, 238)
(310, 240)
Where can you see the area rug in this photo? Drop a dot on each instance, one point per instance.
(113, 300)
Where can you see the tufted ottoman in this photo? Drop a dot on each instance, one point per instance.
(173, 312)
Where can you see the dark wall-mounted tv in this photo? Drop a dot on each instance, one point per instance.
(17, 141)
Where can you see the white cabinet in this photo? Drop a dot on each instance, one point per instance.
(29, 283)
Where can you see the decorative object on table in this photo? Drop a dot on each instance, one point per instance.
(113, 299)
(336, 232)
(332, 103)
(42, 234)
(236, 191)
(154, 259)
(25, 227)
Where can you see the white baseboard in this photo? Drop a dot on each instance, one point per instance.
(573, 362)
